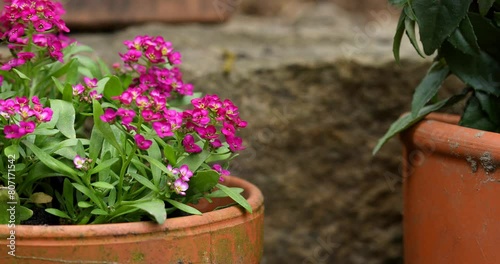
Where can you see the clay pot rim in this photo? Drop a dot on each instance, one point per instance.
(440, 133)
(253, 194)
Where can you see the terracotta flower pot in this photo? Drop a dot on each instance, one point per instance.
(451, 193)
(228, 235)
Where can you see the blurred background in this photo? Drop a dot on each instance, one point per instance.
(318, 85)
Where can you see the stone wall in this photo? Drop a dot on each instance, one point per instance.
(318, 89)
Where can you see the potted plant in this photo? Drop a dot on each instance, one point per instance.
(121, 165)
(450, 180)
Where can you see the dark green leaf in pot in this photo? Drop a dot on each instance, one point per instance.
(437, 20)
(464, 38)
(480, 72)
(475, 117)
(202, 182)
(488, 35)
(410, 32)
(155, 208)
(429, 86)
(484, 6)
(407, 120)
(396, 45)
(490, 105)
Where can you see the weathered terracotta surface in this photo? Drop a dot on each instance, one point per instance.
(224, 236)
(451, 193)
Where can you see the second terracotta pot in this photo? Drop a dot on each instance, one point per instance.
(451, 193)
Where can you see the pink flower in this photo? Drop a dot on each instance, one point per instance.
(42, 25)
(131, 56)
(154, 55)
(142, 143)
(163, 129)
(109, 115)
(184, 173)
(218, 168)
(180, 186)
(80, 163)
(45, 115)
(11, 131)
(78, 89)
(235, 143)
(189, 144)
(127, 115)
(209, 132)
(90, 83)
(26, 127)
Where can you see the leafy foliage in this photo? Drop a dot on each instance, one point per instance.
(465, 34)
(95, 145)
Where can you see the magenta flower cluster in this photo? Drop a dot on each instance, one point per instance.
(23, 115)
(87, 92)
(146, 101)
(41, 18)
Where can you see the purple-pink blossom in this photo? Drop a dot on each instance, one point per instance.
(142, 143)
(189, 144)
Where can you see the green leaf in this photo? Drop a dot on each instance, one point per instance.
(235, 196)
(437, 20)
(103, 185)
(194, 161)
(23, 213)
(90, 194)
(410, 32)
(113, 87)
(144, 181)
(475, 117)
(490, 104)
(68, 93)
(21, 75)
(464, 38)
(184, 207)
(98, 211)
(65, 117)
(103, 165)
(156, 163)
(95, 146)
(398, 2)
(400, 30)
(105, 128)
(202, 182)
(49, 161)
(68, 196)
(12, 151)
(155, 153)
(221, 194)
(83, 204)
(429, 86)
(155, 208)
(484, 6)
(407, 120)
(40, 198)
(487, 34)
(480, 72)
(57, 213)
